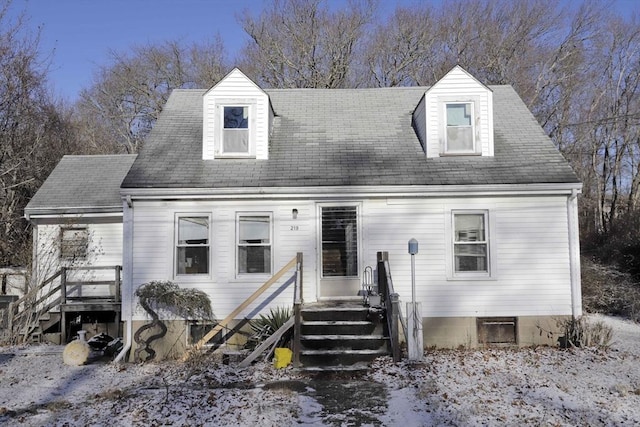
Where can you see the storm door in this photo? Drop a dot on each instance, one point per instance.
(340, 251)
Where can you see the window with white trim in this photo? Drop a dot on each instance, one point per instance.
(192, 244)
(470, 243)
(459, 132)
(235, 130)
(254, 240)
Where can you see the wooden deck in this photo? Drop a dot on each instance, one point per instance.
(74, 300)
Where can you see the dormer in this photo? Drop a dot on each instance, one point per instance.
(237, 118)
(455, 117)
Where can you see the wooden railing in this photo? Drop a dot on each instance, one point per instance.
(25, 313)
(114, 294)
(391, 302)
(298, 301)
(223, 324)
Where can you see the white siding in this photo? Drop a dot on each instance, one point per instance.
(529, 246)
(457, 85)
(236, 86)
(104, 249)
(153, 250)
(529, 241)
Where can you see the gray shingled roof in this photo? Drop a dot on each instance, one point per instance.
(82, 184)
(345, 137)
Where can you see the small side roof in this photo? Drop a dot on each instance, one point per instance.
(82, 184)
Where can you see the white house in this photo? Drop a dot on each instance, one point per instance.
(234, 181)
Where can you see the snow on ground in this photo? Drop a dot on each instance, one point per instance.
(537, 386)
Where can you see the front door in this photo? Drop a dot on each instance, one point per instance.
(339, 275)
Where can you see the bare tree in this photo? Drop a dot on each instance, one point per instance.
(402, 50)
(120, 108)
(34, 131)
(303, 43)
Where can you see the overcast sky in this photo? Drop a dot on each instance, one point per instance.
(82, 32)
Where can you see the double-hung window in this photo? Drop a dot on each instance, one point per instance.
(254, 243)
(460, 132)
(235, 130)
(192, 244)
(470, 243)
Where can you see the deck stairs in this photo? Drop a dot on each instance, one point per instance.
(43, 310)
(342, 336)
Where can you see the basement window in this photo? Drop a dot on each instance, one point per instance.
(497, 330)
(197, 330)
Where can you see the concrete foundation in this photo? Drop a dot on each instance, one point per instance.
(438, 332)
(462, 332)
(176, 342)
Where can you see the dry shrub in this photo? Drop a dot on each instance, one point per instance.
(579, 332)
(606, 290)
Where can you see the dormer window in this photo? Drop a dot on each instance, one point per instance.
(236, 119)
(235, 133)
(460, 134)
(455, 117)
(236, 128)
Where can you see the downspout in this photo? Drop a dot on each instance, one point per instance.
(574, 254)
(127, 274)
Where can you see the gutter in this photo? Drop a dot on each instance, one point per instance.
(379, 191)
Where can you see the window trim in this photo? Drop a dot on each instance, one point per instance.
(472, 126)
(236, 245)
(475, 125)
(491, 272)
(85, 251)
(174, 252)
(220, 105)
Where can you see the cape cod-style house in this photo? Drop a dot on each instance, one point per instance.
(235, 182)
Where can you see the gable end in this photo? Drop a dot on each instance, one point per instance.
(236, 118)
(455, 117)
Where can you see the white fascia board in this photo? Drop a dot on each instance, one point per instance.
(50, 215)
(412, 191)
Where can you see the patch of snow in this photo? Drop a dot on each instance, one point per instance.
(533, 386)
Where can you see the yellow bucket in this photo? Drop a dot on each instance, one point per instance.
(282, 357)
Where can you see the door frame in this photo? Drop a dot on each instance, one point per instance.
(348, 203)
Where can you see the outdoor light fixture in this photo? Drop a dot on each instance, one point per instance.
(294, 213)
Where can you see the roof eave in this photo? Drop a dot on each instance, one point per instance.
(322, 192)
(88, 211)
